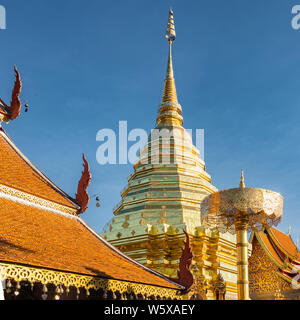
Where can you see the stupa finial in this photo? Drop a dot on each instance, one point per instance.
(170, 89)
(170, 32)
(242, 181)
(170, 110)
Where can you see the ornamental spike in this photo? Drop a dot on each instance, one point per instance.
(242, 181)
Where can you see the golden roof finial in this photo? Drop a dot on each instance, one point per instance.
(242, 181)
(169, 98)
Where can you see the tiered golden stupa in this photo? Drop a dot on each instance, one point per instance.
(163, 197)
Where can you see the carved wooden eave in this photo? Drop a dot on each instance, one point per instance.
(44, 276)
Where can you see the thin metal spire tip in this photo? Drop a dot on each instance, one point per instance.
(170, 32)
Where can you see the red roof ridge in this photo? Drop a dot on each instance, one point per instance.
(38, 171)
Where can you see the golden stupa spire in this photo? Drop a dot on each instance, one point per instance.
(170, 36)
(170, 110)
(242, 181)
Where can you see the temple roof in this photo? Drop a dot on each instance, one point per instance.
(281, 250)
(285, 243)
(40, 236)
(17, 172)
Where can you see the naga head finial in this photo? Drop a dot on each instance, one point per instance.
(185, 276)
(82, 196)
(13, 111)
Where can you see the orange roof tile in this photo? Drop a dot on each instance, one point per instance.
(286, 243)
(35, 237)
(18, 172)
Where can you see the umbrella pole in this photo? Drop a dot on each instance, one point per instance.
(241, 225)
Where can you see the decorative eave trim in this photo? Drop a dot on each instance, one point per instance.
(33, 201)
(45, 276)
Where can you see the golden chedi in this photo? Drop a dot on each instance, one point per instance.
(163, 197)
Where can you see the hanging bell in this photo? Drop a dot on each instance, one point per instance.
(105, 294)
(18, 287)
(44, 296)
(45, 290)
(97, 201)
(61, 289)
(8, 286)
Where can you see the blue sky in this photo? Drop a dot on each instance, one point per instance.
(85, 65)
